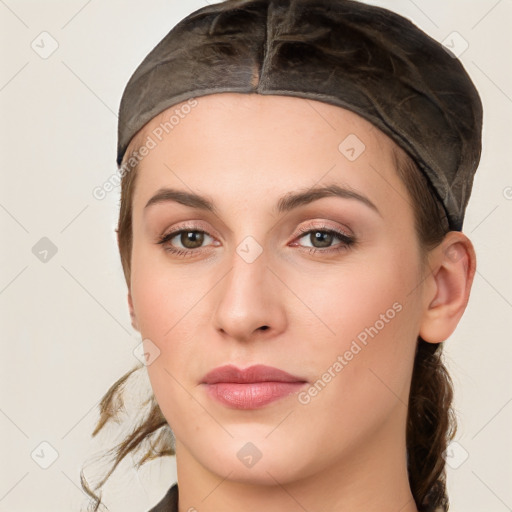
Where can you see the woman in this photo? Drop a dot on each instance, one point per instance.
(294, 180)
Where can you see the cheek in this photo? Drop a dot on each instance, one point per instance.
(369, 316)
(169, 306)
(358, 296)
(162, 296)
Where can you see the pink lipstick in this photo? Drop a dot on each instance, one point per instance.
(252, 387)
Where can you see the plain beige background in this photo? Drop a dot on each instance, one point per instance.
(66, 334)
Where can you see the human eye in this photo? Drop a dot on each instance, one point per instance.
(322, 237)
(190, 237)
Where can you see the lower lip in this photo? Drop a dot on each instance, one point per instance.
(251, 395)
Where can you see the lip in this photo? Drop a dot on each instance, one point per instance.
(252, 387)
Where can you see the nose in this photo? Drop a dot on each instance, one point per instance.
(249, 301)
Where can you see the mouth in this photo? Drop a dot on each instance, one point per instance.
(250, 388)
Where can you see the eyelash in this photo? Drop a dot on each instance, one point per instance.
(347, 241)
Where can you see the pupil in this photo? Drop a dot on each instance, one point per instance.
(323, 238)
(192, 236)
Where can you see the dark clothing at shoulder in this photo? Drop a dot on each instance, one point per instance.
(169, 503)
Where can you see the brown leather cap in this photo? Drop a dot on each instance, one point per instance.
(360, 57)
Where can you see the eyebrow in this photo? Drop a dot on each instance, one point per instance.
(285, 204)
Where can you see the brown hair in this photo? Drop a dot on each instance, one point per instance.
(431, 422)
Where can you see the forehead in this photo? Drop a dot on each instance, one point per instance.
(258, 144)
(262, 111)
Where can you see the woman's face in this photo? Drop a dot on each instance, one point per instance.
(326, 286)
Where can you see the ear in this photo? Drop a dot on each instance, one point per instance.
(132, 312)
(452, 269)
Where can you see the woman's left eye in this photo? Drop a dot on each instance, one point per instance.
(324, 236)
(192, 239)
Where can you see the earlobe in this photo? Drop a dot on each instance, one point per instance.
(132, 312)
(453, 265)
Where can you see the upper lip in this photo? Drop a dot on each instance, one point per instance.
(255, 373)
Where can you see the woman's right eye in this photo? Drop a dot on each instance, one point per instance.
(191, 240)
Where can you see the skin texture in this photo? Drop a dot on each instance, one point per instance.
(343, 450)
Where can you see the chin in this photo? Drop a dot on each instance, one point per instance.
(264, 472)
(254, 459)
